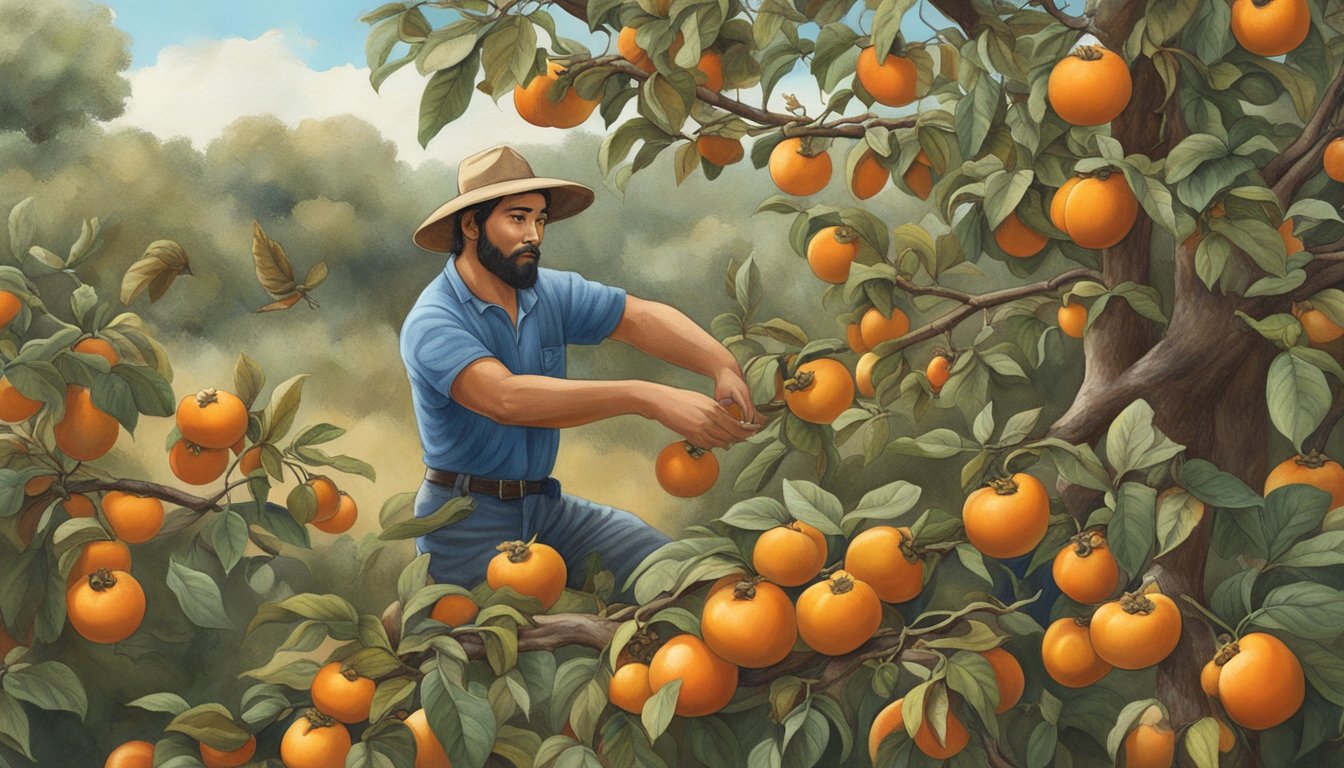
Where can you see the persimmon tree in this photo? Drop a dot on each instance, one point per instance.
(1193, 348)
(978, 568)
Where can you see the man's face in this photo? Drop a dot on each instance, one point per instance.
(510, 244)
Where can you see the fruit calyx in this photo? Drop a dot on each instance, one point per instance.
(1313, 460)
(318, 719)
(1004, 486)
(746, 588)
(1136, 603)
(800, 381)
(845, 234)
(1226, 650)
(1082, 621)
(349, 673)
(841, 582)
(695, 451)
(1083, 543)
(907, 546)
(102, 580)
(207, 396)
(1088, 52)
(518, 551)
(640, 645)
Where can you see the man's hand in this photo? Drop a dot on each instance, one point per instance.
(730, 387)
(701, 420)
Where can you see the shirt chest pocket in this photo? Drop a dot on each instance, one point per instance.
(553, 360)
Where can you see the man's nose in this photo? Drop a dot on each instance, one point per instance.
(532, 234)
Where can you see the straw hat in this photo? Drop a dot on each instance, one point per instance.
(497, 172)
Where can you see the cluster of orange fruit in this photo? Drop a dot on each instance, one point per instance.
(85, 432)
(318, 738)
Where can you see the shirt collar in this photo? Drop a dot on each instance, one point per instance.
(527, 297)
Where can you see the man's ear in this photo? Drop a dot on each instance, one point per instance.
(467, 221)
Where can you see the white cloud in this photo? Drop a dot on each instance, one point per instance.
(196, 89)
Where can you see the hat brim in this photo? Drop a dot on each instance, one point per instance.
(567, 198)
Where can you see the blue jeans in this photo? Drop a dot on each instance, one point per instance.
(459, 553)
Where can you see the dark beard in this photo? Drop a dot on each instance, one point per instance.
(514, 270)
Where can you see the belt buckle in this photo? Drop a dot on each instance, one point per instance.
(522, 490)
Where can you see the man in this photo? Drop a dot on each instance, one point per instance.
(484, 348)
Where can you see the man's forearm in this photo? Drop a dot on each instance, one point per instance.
(543, 401)
(664, 332)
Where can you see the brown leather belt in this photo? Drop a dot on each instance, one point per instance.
(504, 490)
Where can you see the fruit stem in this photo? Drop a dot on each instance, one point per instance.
(318, 719)
(1004, 486)
(1210, 617)
(842, 583)
(1087, 52)
(1226, 652)
(349, 673)
(1313, 460)
(518, 551)
(694, 450)
(746, 588)
(207, 396)
(102, 580)
(1136, 603)
(800, 381)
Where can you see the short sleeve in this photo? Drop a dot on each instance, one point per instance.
(591, 310)
(436, 347)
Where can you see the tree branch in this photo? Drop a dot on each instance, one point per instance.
(1312, 132)
(1303, 168)
(854, 127)
(1080, 23)
(972, 304)
(144, 488)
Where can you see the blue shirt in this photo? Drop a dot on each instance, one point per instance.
(450, 327)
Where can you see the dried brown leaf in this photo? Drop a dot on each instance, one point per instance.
(273, 269)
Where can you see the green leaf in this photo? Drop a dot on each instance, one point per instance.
(1078, 464)
(1131, 530)
(151, 394)
(446, 97)
(451, 512)
(1309, 611)
(211, 724)
(1133, 443)
(939, 443)
(1298, 397)
(1282, 328)
(1313, 210)
(971, 675)
(756, 514)
(14, 724)
(983, 428)
(1177, 516)
(813, 505)
(280, 411)
(1125, 722)
(170, 703)
(199, 596)
(1258, 240)
(1289, 513)
(1193, 151)
(1317, 552)
(658, 710)
(49, 685)
(508, 51)
(1217, 488)
(887, 502)
(226, 534)
(463, 722)
(1201, 742)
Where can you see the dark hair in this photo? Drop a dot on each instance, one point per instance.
(481, 212)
